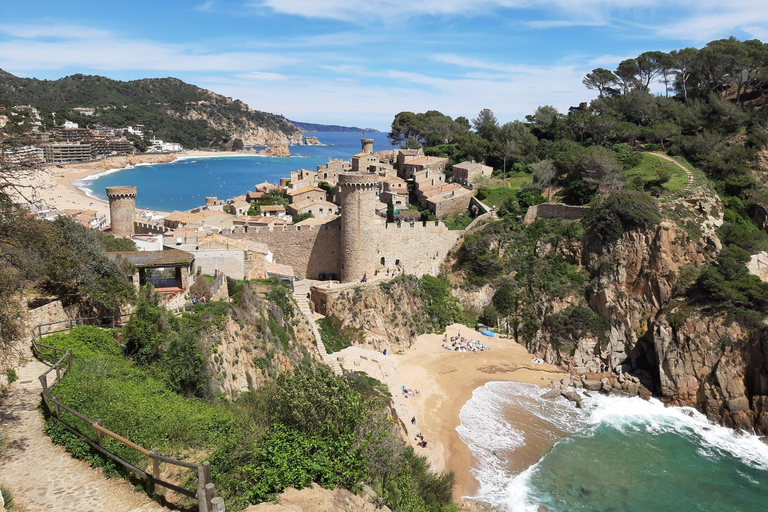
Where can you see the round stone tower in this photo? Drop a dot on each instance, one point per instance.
(122, 207)
(367, 146)
(357, 198)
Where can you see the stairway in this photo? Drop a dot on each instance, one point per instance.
(300, 290)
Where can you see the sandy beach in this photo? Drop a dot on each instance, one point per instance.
(52, 185)
(445, 381)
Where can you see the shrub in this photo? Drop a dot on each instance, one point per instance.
(610, 216)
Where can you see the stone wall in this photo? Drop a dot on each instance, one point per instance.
(230, 262)
(452, 206)
(310, 250)
(554, 211)
(51, 313)
(418, 248)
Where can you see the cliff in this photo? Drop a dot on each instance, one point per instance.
(259, 341)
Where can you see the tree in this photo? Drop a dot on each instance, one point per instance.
(390, 210)
(684, 61)
(648, 67)
(238, 145)
(627, 73)
(405, 126)
(601, 79)
(546, 122)
(545, 172)
(486, 125)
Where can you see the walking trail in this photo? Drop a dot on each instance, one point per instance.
(670, 159)
(42, 475)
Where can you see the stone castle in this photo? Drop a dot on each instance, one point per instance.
(359, 242)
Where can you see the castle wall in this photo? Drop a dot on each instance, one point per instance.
(554, 211)
(310, 250)
(417, 248)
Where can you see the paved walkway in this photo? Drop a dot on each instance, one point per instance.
(300, 291)
(42, 475)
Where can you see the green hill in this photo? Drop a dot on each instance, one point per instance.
(168, 108)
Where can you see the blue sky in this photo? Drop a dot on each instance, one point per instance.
(359, 62)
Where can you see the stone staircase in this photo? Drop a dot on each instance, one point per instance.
(300, 291)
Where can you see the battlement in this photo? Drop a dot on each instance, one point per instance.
(121, 192)
(287, 228)
(358, 179)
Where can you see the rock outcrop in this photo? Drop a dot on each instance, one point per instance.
(317, 499)
(279, 150)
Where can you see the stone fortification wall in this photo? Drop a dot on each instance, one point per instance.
(122, 207)
(310, 250)
(149, 228)
(417, 248)
(554, 211)
(51, 313)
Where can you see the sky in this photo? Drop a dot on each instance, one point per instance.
(354, 62)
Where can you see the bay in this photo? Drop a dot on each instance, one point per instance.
(185, 183)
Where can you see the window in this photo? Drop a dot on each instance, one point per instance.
(397, 263)
(382, 261)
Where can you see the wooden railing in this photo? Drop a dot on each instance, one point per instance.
(61, 365)
(65, 325)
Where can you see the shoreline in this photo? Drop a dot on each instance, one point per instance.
(446, 380)
(55, 185)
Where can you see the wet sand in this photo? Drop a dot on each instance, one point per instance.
(445, 381)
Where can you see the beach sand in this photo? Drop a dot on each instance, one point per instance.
(52, 185)
(445, 381)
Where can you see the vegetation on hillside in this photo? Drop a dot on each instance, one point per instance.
(160, 104)
(711, 115)
(304, 426)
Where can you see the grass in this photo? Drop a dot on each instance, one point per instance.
(647, 171)
(333, 338)
(499, 191)
(458, 222)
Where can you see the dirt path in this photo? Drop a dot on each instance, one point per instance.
(670, 159)
(42, 475)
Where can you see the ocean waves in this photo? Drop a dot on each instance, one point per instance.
(603, 455)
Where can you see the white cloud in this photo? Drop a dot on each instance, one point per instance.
(748, 17)
(261, 76)
(51, 31)
(362, 11)
(81, 47)
(205, 6)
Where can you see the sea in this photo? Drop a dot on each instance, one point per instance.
(186, 182)
(615, 454)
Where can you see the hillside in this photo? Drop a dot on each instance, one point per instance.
(313, 127)
(169, 108)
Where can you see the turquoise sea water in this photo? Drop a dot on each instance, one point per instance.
(184, 184)
(617, 454)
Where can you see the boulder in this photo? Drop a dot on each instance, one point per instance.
(573, 397)
(551, 394)
(593, 385)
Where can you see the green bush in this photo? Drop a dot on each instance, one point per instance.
(610, 216)
(85, 341)
(573, 323)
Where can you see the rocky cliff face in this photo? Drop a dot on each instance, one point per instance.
(240, 127)
(684, 354)
(387, 315)
(244, 355)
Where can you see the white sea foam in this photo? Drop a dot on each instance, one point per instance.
(488, 434)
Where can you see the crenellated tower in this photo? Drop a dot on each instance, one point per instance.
(122, 210)
(357, 198)
(367, 146)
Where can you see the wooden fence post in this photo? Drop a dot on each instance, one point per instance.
(58, 373)
(209, 492)
(201, 503)
(207, 472)
(56, 405)
(155, 464)
(98, 432)
(217, 504)
(69, 360)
